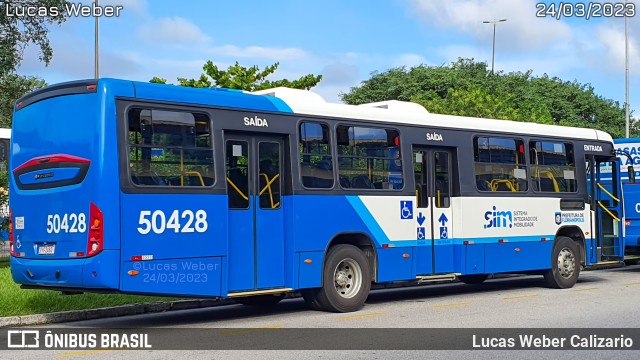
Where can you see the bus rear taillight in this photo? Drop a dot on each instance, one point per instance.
(96, 231)
(12, 251)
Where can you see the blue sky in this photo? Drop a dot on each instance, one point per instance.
(344, 40)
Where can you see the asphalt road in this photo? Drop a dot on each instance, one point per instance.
(601, 299)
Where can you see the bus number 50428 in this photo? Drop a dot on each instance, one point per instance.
(68, 223)
(157, 221)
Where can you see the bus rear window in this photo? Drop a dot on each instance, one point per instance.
(170, 148)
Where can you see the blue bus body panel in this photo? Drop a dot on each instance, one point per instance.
(241, 222)
(393, 265)
(199, 276)
(82, 126)
(424, 259)
(474, 259)
(41, 123)
(631, 193)
(269, 247)
(517, 256)
(176, 258)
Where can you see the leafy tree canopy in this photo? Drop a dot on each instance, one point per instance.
(243, 78)
(13, 87)
(16, 32)
(467, 88)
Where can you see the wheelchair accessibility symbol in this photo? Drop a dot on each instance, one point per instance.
(421, 233)
(444, 233)
(406, 210)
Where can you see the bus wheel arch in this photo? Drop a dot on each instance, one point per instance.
(347, 272)
(574, 233)
(361, 241)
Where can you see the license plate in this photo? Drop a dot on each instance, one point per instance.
(46, 249)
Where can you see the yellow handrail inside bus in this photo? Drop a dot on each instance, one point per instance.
(496, 182)
(267, 186)
(607, 192)
(549, 174)
(196, 173)
(237, 189)
(608, 212)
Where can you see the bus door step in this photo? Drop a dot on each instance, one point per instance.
(435, 278)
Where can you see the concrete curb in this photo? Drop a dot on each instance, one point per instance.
(124, 310)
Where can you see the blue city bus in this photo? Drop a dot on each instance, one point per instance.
(121, 186)
(628, 151)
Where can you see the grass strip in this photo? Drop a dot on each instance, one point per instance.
(15, 301)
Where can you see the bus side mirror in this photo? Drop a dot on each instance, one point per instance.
(631, 173)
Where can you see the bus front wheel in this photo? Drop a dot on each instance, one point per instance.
(565, 264)
(346, 281)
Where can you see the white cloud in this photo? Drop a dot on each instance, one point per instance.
(612, 39)
(75, 61)
(409, 60)
(522, 31)
(259, 52)
(339, 73)
(171, 30)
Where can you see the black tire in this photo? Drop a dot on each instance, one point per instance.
(310, 297)
(565, 264)
(346, 281)
(473, 279)
(260, 300)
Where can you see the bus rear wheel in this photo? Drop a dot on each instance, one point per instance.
(260, 300)
(473, 279)
(565, 264)
(346, 281)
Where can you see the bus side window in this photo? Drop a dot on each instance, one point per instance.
(316, 166)
(554, 166)
(500, 164)
(369, 158)
(169, 148)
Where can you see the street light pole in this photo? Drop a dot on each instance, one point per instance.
(626, 75)
(493, 49)
(97, 45)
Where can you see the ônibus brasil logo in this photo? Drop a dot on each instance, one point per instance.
(498, 219)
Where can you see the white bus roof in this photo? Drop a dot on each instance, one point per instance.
(309, 103)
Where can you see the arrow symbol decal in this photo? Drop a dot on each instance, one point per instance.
(421, 218)
(443, 219)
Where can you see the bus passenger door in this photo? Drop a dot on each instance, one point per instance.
(432, 173)
(606, 201)
(254, 168)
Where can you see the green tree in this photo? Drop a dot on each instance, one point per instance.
(243, 78)
(467, 88)
(18, 31)
(12, 87)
